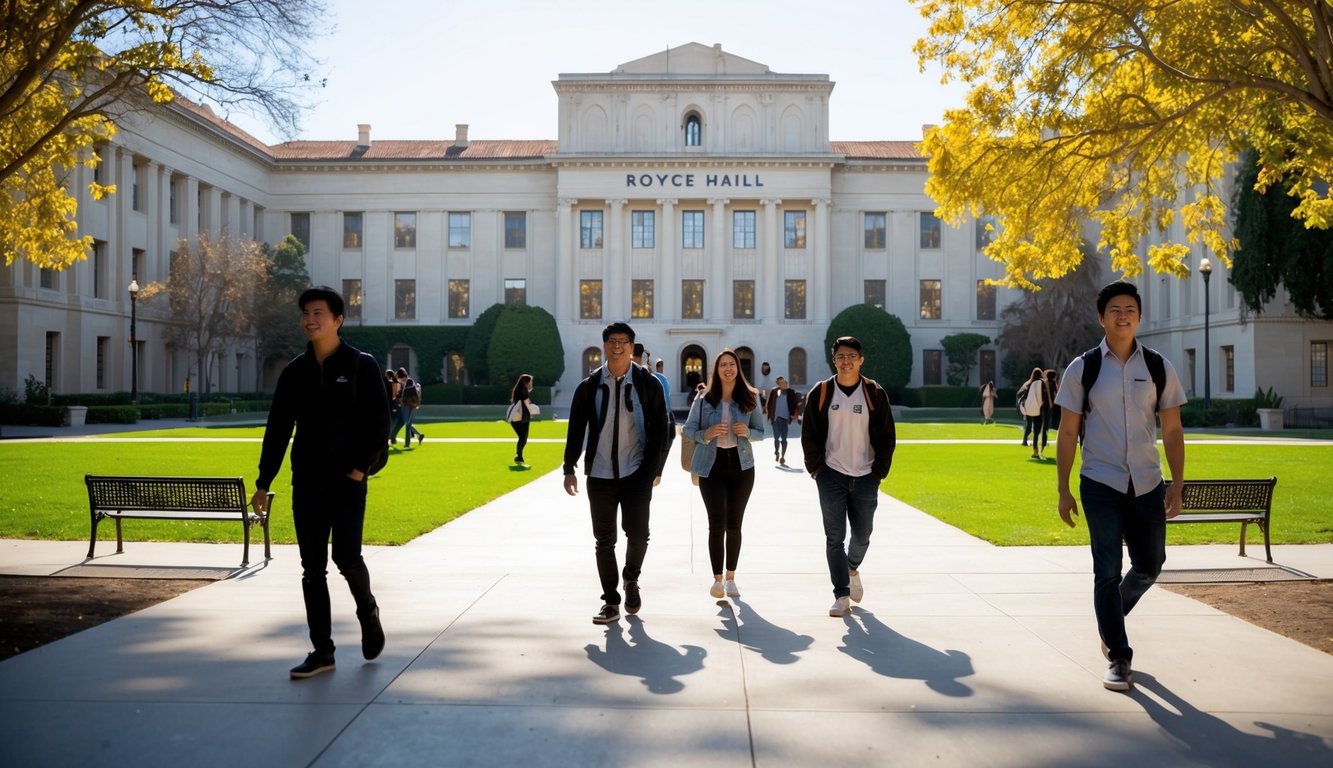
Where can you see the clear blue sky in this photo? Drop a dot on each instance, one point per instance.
(414, 68)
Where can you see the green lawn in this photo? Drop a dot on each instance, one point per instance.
(992, 490)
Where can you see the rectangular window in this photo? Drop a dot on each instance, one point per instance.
(172, 213)
(1319, 363)
(930, 230)
(404, 299)
(99, 269)
(1189, 372)
(985, 301)
(793, 229)
(590, 299)
(794, 306)
(458, 299)
(103, 344)
(590, 232)
(136, 194)
(352, 297)
(352, 231)
(641, 225)
(986, 231)
(641, 298)
(931, 366)
(742, 299)
(301, 228)
(516, 229)
(48, 278)
(876, 231)
(742, 229)
(137, 258)
(460, 229)
(1229, 368)
(516, 291)
(405, 230)
(691, 299)
(692, 229)
(52, 357)
(874, 292)
(99, 176)
(930, 300)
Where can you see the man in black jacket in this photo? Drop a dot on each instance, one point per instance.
(618, 420)
(334, 396)
(848, 438)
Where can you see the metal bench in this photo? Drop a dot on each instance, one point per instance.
(1230, 501)
(174, 498)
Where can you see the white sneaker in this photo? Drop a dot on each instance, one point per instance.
(858, 591)
(731, 588)
(716, 590)
(841, 607)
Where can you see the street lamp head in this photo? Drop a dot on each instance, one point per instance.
(1205, 266)
(134, 287)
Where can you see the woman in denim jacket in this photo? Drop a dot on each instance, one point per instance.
(723, 422)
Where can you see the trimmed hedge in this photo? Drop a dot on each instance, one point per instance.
(493, 394)
(35, 415)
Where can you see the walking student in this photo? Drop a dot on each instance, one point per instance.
(848, 438)
(335, 398)
(394, 388)
(618, 421)
(724, 423)
(1033, 401)
(782, 407)
(520, 399)
(409, 401)
(1117, 402)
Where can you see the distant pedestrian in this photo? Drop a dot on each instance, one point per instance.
(617, 423)
(848, 437)
(409, 401)
(1033, 400)
(1125, 500)
(782, 407)
(331, 395)
(724, 423)
(1051, 419)
(521, 407)
(394, 388)
(988, 403)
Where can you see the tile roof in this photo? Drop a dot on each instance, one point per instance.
(390, 149)
(877, 150)
(204, 112)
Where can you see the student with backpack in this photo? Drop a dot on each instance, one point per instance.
(1119, 390)
(1034, 400)
(409, 402)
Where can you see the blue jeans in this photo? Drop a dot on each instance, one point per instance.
(780, 427)
(846, 500)
(324, 508)
(632, 496)
(406, 414)
(1140, 522)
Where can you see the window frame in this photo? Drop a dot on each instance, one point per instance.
(742, 299)
(744, 225)
(641, 299)
(934, 301)
(794, 301)
(687, 294)
(875, 237)
(692, 230)
(404, 234)
(592, 228)
(793, 229)
(643, 229)
(460, 298)
(460, 230)
(357, 233)
(515, 237)
(590, 299)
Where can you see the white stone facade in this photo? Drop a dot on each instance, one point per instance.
(717, 190)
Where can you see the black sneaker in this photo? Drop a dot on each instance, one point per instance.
(315, 663)
(1118, 676)
(372, 634)
(608, 614)
(633, 602)
(420, 439)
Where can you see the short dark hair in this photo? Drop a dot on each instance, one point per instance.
(325, 294)
(618, 326)
(1118, 288)
(638, 350)
(847, 341)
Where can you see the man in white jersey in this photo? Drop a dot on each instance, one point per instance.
(848, 439)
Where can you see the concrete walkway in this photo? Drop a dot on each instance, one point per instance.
(962, 653)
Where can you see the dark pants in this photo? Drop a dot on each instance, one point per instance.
(332, 507)
(1032, 425)
(725, 492)
(846, 501)
(520, 429)
(780, 429)
(631, 495)
(406, 414)
(1140, 522)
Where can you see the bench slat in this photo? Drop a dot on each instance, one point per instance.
(1229, 501)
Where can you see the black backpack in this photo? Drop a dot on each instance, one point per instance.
(381, 457)
(1092, 368)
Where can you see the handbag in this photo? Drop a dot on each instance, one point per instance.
(533, 409)
(514, 414)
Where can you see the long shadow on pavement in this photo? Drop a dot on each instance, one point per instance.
(657, 664)
(776, 644)
(892, 654)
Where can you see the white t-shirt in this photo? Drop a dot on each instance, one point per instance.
(847, 447)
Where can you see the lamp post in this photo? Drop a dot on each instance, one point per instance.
(134, 344)
(1206, 269)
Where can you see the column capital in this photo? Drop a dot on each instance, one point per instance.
(771, 202)
(821, 201)
(667, 202)
(568, 202)
(718, 201)
(616, 203)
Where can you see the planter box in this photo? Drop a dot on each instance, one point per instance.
(76, 415)
(1270, 418)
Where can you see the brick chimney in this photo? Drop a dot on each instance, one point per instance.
(363, 135)
(460, 135)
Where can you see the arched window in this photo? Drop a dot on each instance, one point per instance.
(592, 360)
(746, 356)
(694, 130)
(693, 369)
(796, 367)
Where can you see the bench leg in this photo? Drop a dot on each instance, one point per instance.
(120, 541)
(92, 541)
(1243, 528)
(268, 512)
(1268, 549)
(245, 553)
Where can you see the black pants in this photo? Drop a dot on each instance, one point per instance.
(334, 508)
(725, 492)
(520, 429)
(631, 495)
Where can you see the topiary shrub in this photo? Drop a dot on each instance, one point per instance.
(476, 349)
(885, 342)
(525, 340)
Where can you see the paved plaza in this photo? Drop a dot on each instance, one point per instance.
(962, 653)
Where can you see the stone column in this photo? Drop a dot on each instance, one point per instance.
(615, 285)
(668, 288)
(566, 238)
(716, 288)
(821, 283)
(769, 283)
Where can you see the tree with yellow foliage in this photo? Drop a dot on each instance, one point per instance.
(69, 68)
(1126, 113)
